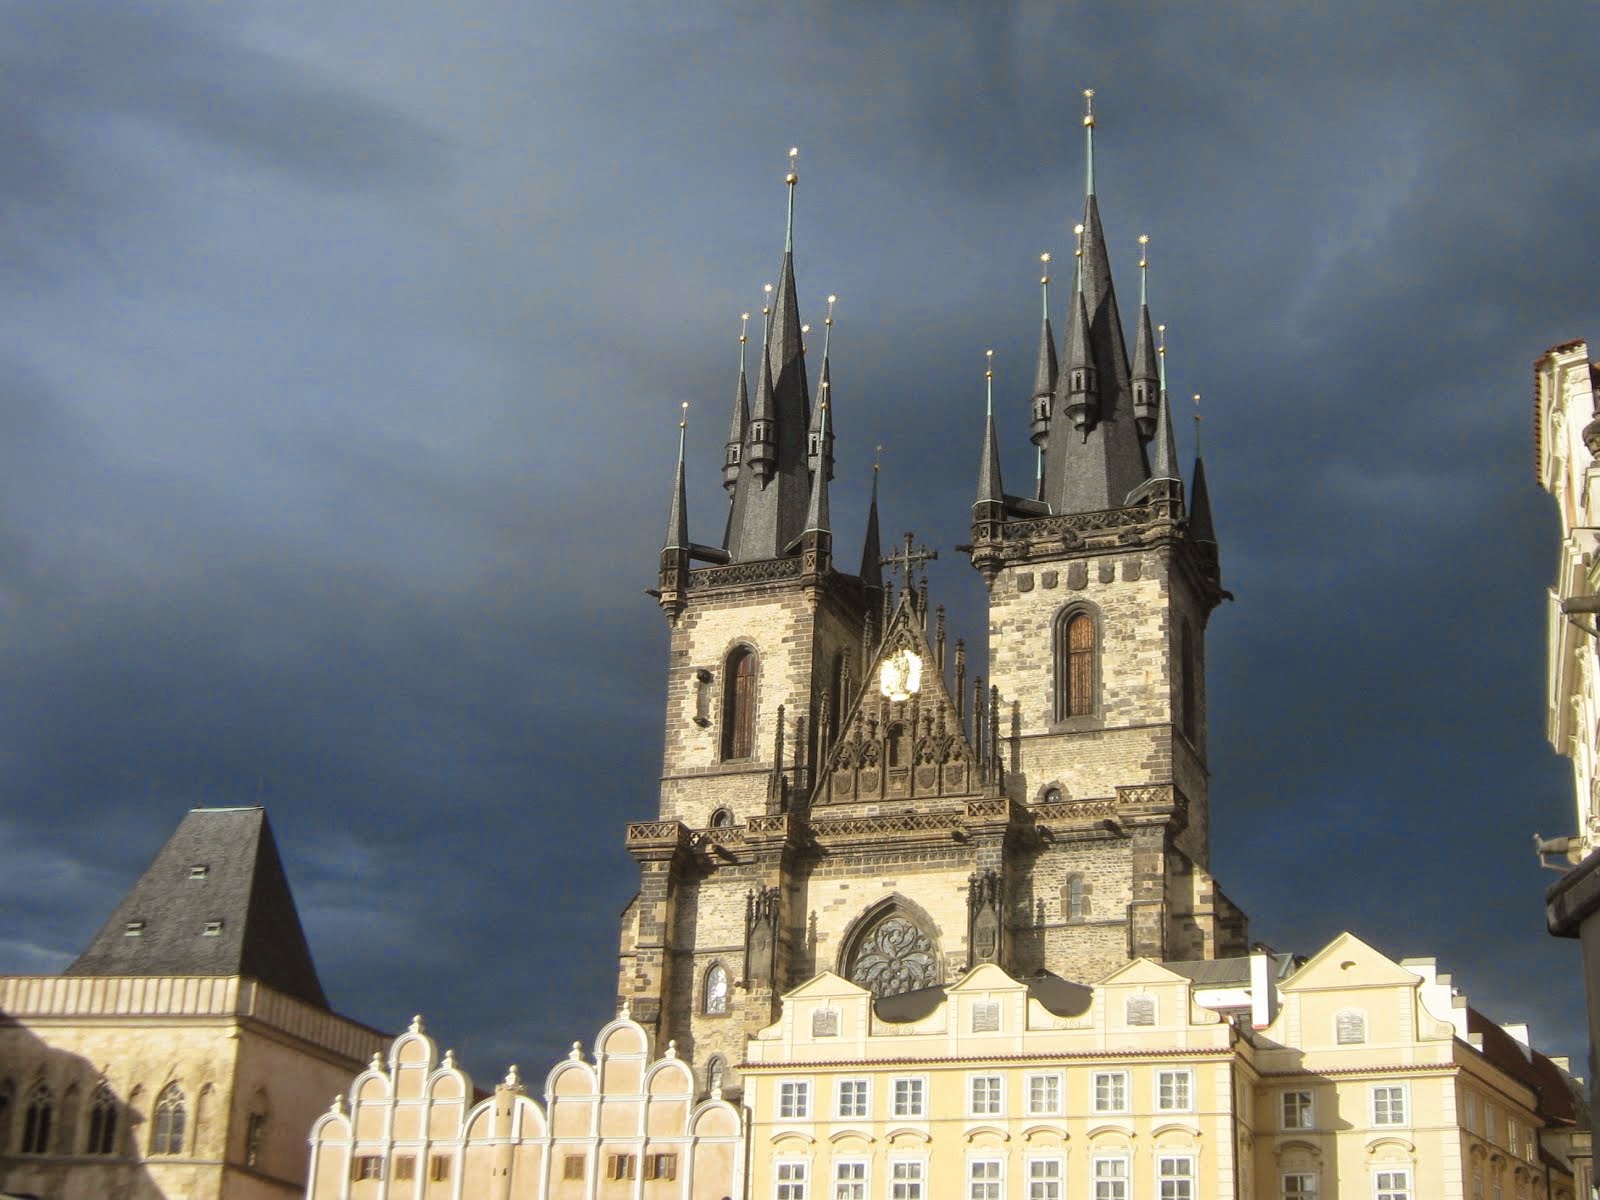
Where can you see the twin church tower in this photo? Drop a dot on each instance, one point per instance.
(838, 795)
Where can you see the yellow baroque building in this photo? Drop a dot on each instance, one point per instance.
(627, 1124)
(1372, 1079)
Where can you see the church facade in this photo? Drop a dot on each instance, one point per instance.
(837, 794)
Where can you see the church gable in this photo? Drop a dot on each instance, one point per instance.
(905, 735)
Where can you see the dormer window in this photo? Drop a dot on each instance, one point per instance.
(199, 871)
(133, 929)
(212, 929)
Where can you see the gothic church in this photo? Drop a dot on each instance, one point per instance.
(837, 794)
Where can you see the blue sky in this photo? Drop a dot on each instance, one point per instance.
(341, 349)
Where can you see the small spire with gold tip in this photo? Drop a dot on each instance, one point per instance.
(819, 438)
(1044, 374)
(678, 516)
(990, 492)
(1201, 528)
(871, 552)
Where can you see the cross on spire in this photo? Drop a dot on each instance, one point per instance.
(907, 560)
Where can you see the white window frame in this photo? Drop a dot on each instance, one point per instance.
(1307, 1193)
(858, 1186)
(1401, 1189)
(864, 1103)
(1095, 1104)
(1307, 1116)
(1189, 1177)
(1040, 1189)
(1052, 1109)
(1118, 1187)
(1175, 1074)
(1474, 1118)
(919, 1083)
(995, 1085)
(1394, 1093)
(904, 1186)
(791, 1179)
(990, 1186)
(794, 1099)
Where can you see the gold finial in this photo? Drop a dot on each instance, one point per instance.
(1197, 424)
(1044, 269)
(1161, 358)
(1077, 233)
(744, 325)
(827, 326)
(1088, 106)
(766, 306)
(877, 457)
(766, 311)
(988, 382)
(792, 177)
(683, 420)
(832, 300)
(1144, 262)
(1144, 242)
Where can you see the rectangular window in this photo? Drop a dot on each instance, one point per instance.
(620, 1166)
(1391, 1185)
(1389, 1105)
(1044, 1179)
(572, 1166)
(853, 1098)
(1110, 1092)
(1470, 1104)
(910, 1098)
(405, 1166)
(983, 1095)
(1491, 1118)
(1174, 1091)
(133, 929)
(368, 1166)
(439, 1168)
(791, 1181)
(1044, 1094)
(212, 929)
(255, 1129)
(794, 1100)
(1299, 1185)
(657, 1166)
(1174, 1178)
(983, 1179)
(850, 1180)
(1296, 1110)
(199, 871)
(905, 1179)
(1110, 1179)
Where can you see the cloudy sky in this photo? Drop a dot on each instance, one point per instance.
(341, 349)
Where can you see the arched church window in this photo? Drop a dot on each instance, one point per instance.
(894, 955)
(102, 1122)
(715, 1070)
(739, 703)
(722, 818)
(715, 1002)
(1076, 666)
(37, 1118)
(166, 1133)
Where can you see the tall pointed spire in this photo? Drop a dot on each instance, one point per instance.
(673, 588)
(1044, 372)
(989, 509)
(817, 509)
(1200, 527)
(678, 514)
(1146, 381)
(1100, 461)
(1164, 459)
(872, 546)
(771, 498)
(819, 438)
(734, 449)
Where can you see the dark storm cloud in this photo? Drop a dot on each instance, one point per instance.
(340, 354)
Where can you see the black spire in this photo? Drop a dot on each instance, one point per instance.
(770, 499)
(674, 575)
(989, 509)
(819, 438)
(1044, 372)
(871, 547)
(1146, 381)
(1095, 464)
(215, 901)
(740, 425)
(1200, 527)
(817, 509)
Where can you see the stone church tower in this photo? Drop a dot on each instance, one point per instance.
(837, 795)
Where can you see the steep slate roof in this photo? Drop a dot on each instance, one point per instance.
(243, 886)
(1526, 1066)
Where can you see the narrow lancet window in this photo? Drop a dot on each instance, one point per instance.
(1075, 665)
(739, 704)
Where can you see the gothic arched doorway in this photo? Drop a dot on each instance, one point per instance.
(891, 950)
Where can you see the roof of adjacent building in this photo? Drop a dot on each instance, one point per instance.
(1527, 1066)
(215, 901)
(1059, 996)
(1228, 972)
